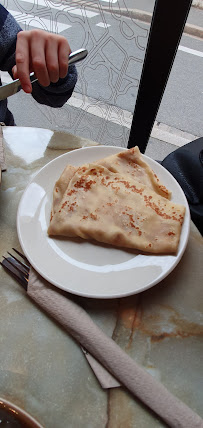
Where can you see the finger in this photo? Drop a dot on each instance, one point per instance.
(63, 54)
(52, 59)
(22, 61)
(37, 58)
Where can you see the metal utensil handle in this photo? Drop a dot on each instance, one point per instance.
(77, 56)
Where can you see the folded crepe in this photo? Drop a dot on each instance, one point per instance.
(128, 162)
(117, 209)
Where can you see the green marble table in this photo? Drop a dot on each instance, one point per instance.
(43, 370)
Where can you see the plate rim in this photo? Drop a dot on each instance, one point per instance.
(27, 417)
(101, 296)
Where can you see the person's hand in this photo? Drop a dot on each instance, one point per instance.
(44, 53)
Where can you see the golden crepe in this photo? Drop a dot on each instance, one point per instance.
(117, 209)
(127, 162)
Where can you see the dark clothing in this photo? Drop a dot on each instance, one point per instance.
(186, 165)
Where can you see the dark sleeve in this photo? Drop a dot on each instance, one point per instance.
(56, 94)
(9, 29)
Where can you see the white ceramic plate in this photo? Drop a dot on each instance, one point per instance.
(78, 266)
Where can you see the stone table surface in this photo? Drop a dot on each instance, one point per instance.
(43, 370)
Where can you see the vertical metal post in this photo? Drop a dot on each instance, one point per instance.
(168, 22)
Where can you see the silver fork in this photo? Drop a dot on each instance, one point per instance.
(18, 269)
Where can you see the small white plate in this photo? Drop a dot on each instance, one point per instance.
(86, 268)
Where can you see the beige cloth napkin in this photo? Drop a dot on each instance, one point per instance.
(105, 378)
(140, 383)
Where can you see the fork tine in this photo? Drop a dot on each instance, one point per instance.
(25, 268)
(14, 262)
(23, 257)
(15, 273)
